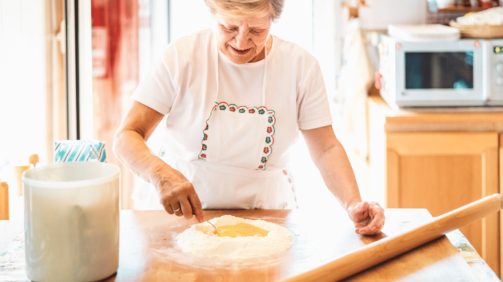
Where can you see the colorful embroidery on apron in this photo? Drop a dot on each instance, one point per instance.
(269, 140)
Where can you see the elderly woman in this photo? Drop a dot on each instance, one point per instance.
(235, 98)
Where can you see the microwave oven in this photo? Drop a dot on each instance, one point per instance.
(465, 72)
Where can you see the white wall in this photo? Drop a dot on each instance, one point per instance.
(326, 40)
(296, 23)
(378, 14)
(23, 80)
(188, 17)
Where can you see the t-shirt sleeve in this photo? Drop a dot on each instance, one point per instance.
(312, 103)
(158, 89)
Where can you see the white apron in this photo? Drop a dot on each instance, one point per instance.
(230, 172)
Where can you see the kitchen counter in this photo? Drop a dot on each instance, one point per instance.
(440, 119)
(439, 159)
(148, 252)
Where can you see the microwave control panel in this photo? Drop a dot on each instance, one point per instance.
(496, 65)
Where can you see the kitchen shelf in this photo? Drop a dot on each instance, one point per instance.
(461, 9)
(446, 15)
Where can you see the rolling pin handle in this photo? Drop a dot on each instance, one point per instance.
(500, 198)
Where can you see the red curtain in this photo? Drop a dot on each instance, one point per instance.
(115, 74)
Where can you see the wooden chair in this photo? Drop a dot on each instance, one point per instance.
(4, 201)
(18, 173)
(18, 182)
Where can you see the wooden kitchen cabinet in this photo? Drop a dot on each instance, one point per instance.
(440, 160)
(442, 172)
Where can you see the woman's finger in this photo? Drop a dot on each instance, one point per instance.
(197, 208)
(358, 226)
(165, 203)
(359, 212)
(186, 209)
(175, 206)
(377, 223)
(168, 208)
(375, 206)
(365, 221)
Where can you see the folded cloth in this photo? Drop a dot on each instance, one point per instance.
(79, 151)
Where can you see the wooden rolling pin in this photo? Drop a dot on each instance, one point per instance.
(387, 248)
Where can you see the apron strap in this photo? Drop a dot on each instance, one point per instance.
(265, 69)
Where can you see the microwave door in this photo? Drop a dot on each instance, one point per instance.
(441, 76)
(439, 70)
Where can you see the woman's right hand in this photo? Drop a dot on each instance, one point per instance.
(177, 194)
(174, 190)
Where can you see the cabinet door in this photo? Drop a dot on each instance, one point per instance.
(501, 215)
(442, 172)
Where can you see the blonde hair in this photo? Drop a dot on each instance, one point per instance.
(238, 9)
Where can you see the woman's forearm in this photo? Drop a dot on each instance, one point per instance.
(132, 151)
(330, 158)
(129, 142)
(338, 175)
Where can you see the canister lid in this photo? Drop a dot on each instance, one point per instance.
(71, 175)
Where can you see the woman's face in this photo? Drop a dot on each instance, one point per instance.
(242, 40)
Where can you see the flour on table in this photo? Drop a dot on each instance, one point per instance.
(199, 240)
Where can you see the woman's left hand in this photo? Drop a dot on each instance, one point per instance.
(367, 216)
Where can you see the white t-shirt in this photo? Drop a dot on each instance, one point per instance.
(182, 85)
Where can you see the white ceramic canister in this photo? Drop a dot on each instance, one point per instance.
(72, 221)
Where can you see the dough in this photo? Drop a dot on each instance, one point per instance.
(201, 241)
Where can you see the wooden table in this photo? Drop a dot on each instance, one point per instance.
(148, 251)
